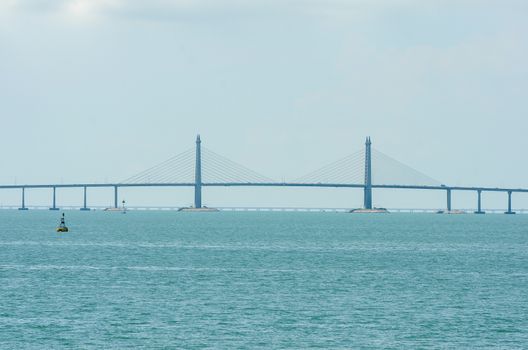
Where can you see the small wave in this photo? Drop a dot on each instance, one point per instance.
(145, 268)
(347, 271)
(351, 247)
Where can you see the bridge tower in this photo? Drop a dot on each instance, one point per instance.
(367, 196)
(198, 175)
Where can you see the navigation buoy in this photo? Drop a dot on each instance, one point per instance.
(62, 226)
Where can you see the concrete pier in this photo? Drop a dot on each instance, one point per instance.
(509, 204)
(479, 203)
(23, 207)
(54, 203)
(84, 208)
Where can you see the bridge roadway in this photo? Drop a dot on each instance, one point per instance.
(116, 186)
(269, 184)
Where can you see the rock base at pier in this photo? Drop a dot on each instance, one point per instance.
(369, 211)
(200, 210)
(451, 212)
(114, 209)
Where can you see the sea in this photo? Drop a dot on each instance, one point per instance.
(263, 280)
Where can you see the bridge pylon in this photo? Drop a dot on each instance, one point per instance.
(367, 195)
(198, 175)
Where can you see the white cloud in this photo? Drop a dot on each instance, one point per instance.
(88, 7)
(165, 9)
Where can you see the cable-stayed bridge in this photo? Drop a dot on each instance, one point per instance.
(201, 167)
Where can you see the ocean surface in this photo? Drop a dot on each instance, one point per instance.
(246, 280)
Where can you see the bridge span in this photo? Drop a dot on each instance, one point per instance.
(248, 178)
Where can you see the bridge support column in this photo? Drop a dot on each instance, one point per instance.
(84, 200)
(449, 199)
(23, 207)
(115, 197)
(479, 203)
(198, 175)
(509, 204)
(54, 205)
(367, 194)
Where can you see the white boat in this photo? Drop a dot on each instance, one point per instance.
(122, 209)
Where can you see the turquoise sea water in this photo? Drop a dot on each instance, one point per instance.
(263, 280)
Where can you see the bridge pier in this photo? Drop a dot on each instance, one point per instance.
(54, 207)
(23, 207)
(448, 199)
(115, 197)
(509, 204)
(84, 200)
(479, 203)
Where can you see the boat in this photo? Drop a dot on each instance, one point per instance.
(121, 210)
(62, 226)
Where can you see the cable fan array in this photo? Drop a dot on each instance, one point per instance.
(178, 169)
(351, 170)
(347, 170)
(219, 169)
(181, 169)
(389, 171)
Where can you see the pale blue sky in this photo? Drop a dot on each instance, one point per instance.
(99, 90)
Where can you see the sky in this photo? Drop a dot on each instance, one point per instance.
(98, 90)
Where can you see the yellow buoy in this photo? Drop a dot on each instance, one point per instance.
(62, 226)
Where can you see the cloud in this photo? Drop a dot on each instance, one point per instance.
(63, 8)
(88, 7)
(176, 9)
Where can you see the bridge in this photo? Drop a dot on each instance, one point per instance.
(200, 167)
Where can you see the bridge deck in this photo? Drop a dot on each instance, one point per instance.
(268, 184)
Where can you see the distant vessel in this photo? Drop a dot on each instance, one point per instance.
(122, 209)
(62, 226)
